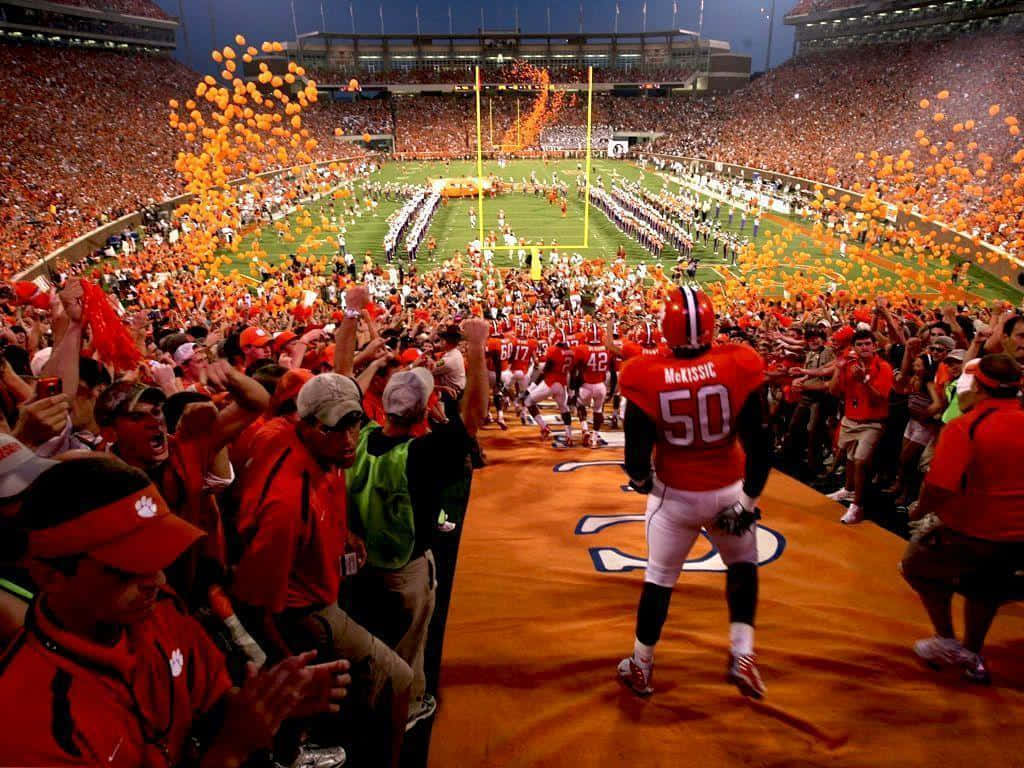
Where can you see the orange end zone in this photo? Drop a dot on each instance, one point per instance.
(536, 630)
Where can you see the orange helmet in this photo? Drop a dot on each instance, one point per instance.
(560, 338)
(646, 335)
(689, 319)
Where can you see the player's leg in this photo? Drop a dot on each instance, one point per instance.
(616, 397)
(499, 397)
(739, 553)
(597, 393)
(582, 403)
(670, 536)
(561, 398)
(541, 392)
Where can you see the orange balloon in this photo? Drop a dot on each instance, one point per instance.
(366, 138)
(993, 110)
(353, 84)
(924, 103)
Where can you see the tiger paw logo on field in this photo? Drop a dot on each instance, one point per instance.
(177, 662)
(145, 507)
(706, 557)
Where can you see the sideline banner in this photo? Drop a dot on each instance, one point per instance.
(618, 148)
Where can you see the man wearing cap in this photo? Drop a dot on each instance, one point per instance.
(808, 426)
(394, 489)
(864, 381)
(976, 489)
(450, 371)
(131, 417)
(293, 521)
(108, 669)
(19, 467)
(191, 359)
(255, 345)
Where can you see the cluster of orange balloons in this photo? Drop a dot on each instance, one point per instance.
(949, 179)
(234, 131)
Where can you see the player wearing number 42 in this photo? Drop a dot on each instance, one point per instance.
(700, 411)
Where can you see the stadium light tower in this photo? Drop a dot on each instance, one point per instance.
(771, 26)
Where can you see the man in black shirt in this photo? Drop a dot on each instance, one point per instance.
(394, 492)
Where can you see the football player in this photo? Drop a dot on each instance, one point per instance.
(552, 377)
(591, 363)
(695, 408)
(523, 354)
(499, 352)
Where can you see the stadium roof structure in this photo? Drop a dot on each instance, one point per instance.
(46, 22)
(679, 57)
(829, 24)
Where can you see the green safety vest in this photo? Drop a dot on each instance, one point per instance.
(378, 494)
(953, 409)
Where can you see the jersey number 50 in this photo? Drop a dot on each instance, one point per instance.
(682, 432)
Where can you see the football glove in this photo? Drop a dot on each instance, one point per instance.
(735, 519)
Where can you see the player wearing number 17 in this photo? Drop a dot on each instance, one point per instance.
(700, 410)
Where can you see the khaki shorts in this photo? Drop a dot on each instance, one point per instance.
(376, 668)
(859, 438)
(945, 560)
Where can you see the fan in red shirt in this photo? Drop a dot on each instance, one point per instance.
(863, 380)
(695, 409)
(591, 364)
(552, 380)
(109, 669)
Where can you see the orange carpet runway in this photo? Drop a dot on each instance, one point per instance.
(536, 630)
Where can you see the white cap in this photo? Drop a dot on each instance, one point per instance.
(185, 352)
(329, 398)
(863, 327)
(19, 466)
(966, 380)
(407, 393)
(39, 360)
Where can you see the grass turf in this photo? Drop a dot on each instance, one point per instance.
(534, 218)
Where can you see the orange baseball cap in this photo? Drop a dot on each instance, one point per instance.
(254, 337)
(137, 534)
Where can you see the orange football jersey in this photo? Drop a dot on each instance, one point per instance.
(561, 363)
(695, 403)
(596, 361)
(522, 351)
(631, 349)
(500, 346)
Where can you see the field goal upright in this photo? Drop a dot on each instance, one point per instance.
(481, 180)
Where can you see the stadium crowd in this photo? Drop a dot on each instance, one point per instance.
(145, 8)
(198, 560)
(504, 74)
(785, 121)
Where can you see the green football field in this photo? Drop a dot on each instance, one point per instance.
(534, 218)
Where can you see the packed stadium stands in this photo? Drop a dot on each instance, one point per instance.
(237, 441)
(506, 74)
(144, 8)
